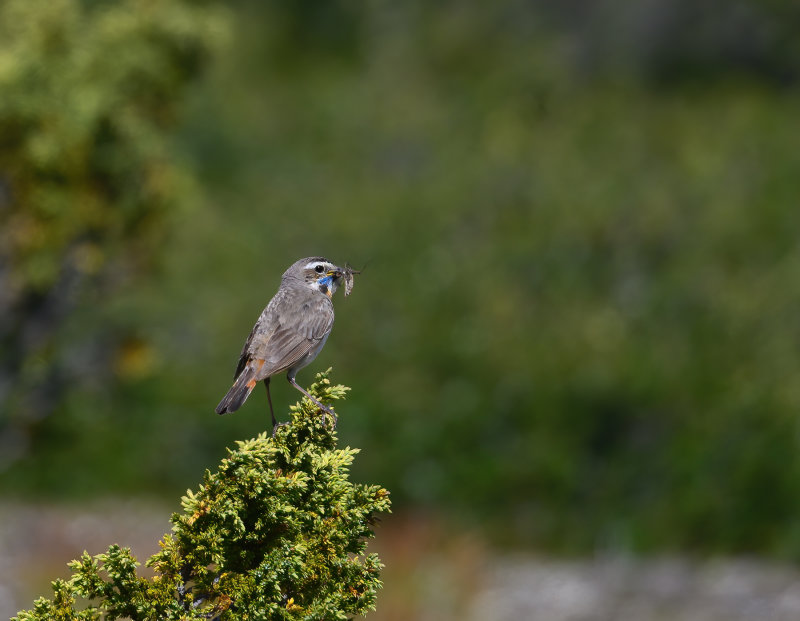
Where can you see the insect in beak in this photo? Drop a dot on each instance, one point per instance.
(348, 278)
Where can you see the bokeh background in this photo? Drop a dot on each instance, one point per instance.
(576, 335)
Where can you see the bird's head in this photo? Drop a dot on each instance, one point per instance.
(318, 273)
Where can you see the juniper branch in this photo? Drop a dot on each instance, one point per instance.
(276, 532)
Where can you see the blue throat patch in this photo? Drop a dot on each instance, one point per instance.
(325, 284)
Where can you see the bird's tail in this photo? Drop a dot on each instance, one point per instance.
(241, 389)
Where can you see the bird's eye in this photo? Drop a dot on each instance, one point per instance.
(319, 269)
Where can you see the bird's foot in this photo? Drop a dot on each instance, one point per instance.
(330, 413)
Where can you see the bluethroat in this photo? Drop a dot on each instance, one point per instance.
(290, 331)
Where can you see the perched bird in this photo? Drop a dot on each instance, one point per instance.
(290, 332)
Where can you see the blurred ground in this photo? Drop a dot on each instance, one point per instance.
(432, 573)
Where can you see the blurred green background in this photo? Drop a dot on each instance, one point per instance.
(577, 328)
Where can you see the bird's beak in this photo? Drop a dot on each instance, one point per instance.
(336, 272)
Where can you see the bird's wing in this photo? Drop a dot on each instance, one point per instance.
(261, 332)
(244, 357)
(295, 334)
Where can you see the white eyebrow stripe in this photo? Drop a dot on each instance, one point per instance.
(313, 264)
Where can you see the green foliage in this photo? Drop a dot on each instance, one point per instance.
(576, 328)
(277, 532)
(578, 317)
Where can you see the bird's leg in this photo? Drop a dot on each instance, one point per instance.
(275, 423)
(324, 409)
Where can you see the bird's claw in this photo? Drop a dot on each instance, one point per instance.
(330, 413)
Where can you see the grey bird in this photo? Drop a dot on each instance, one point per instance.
(290, 332)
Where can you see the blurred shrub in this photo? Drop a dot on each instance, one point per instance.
(87, 175)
